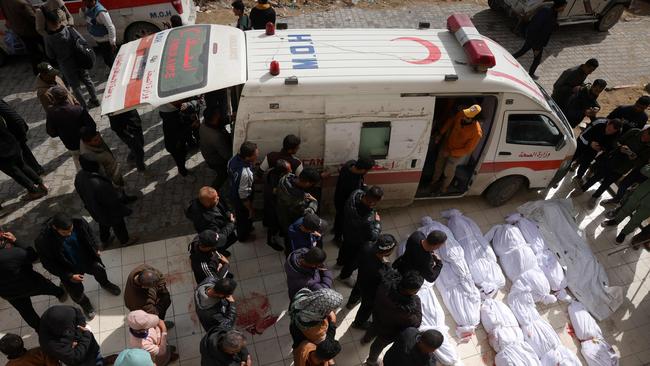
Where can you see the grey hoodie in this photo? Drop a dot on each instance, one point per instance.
(59, 46)
(213, 311)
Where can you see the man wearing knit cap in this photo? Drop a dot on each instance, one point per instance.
(48, 77)
(459, 135)
(306, 232)
(373, 261)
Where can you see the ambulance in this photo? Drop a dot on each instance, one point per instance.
(132, 19)
(347, 93)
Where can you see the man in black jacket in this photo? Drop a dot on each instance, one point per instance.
(261, 14)
(224, 347)
(215, 304)
(373, 263)
(18, 280)
(397, 307)
(419, 255)
(68, 250)
(571, 80)
(414, 348)
(208, 212)
(65, 336)
(633, 116)
(205, 258)
(350, 179)
(18, 127)
(538, 33)
(102, 201)
(128, 127)
(600, 135)
(362, 225)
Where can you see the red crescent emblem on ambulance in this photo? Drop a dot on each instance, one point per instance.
(434, 51)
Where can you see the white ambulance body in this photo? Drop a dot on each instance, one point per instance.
(362, 92)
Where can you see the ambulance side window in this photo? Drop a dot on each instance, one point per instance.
(532, 129)
(375, 139)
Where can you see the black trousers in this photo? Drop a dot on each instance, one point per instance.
(380, 342)
(106, 51)
(338, 219)
(39, 286)
(119, 230)
(243, 223)
(173, 133)
(603, 175)
(537, 59)
(34, 47)
(164, 302)
(349, 258)
(128, 127)
(76, 289)
(16, 168)
(30, 159)
(585, 156)
(367, 303)
(633, 177)
(221, 171)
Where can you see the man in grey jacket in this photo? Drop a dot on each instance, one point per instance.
(215, 144)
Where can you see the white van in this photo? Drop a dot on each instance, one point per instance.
(352, 92)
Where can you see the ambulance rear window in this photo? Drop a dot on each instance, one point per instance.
(184, 63)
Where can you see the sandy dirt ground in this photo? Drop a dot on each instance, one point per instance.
(622, 95)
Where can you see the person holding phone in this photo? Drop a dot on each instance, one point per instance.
(584, 103)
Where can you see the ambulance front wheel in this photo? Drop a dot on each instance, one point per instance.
(610, 18)
(138, 30)
(504, 189)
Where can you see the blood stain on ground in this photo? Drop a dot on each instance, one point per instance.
(254, 313)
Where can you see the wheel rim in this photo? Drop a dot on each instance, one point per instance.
(611, 18)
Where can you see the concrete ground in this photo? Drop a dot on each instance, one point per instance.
(158, 217)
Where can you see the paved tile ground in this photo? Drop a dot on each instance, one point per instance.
(158, 217)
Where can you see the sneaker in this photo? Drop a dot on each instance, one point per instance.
(169, 324)
(593, 202)
(113, 289)
(609, 223)
(362, 326)
(92, 104)
(534, 77)
(620, 238)
(30, 196)
(347, 281)
(132, 240)
(611, 214)
(352, 303)
(89, 313)
(64, 295)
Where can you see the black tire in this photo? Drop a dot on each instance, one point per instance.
(610, 18)
(504, 189)
(138, 30)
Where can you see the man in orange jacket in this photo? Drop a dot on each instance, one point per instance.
(461, 133)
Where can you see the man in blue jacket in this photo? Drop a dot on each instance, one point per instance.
(101, 28)
(538, 33)
(306, 232)
(240, 174)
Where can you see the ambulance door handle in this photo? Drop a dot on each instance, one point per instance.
(505, 153)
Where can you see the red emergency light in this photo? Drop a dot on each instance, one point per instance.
(476, 49)
(178, 6)
(274, 68)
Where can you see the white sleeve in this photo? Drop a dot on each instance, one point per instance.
(299, 169)
(105, 19)
(245, 184)
(265, 164)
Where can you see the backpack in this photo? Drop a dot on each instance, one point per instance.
(83, 54)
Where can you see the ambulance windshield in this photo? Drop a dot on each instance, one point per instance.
(185, 58)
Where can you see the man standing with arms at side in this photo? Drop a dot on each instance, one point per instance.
(538, 33)
(18, 127)
(101, 28)
(240, 173)
(68, 250)
(350, 179)
(419, 255)
(571, 80)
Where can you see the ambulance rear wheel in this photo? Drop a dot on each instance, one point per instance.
(138, 30)
(504, 189)
(610, 18)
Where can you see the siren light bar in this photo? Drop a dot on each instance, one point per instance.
(476, 49)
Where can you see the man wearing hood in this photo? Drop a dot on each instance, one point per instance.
(293, 201)
(362, 226)
(18, 280)
(67, 249)
(59, 46)
(215, 304)
(306, 232)
(48, 77)
(397, 307)
(102, 201)
(146, 289)
(224, 347)
(305, 268)
(209, 212)
(240, 175)
(65, 336)
(205, 258)
(261, 14)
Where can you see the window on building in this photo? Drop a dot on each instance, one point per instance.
(375, 139)
(532, 129)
